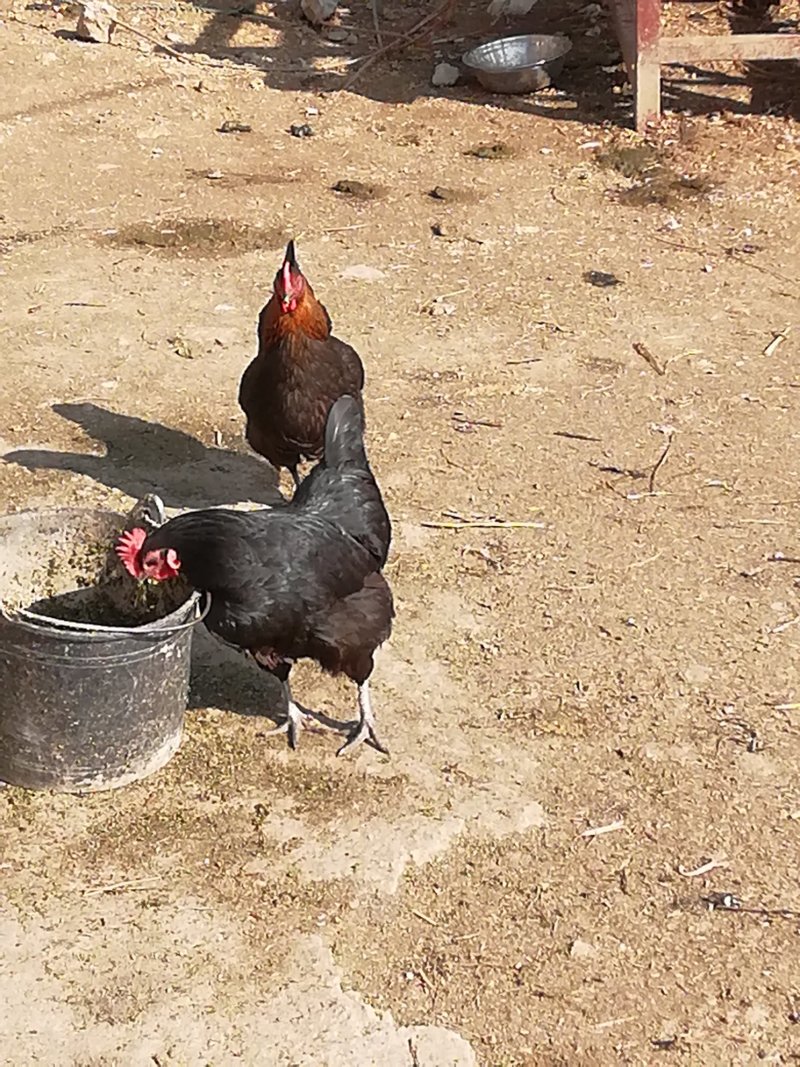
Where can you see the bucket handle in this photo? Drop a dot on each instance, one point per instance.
(38, 622)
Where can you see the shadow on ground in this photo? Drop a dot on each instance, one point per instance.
(589, 87)
(147, 457)
(143, 457)
(227, 679)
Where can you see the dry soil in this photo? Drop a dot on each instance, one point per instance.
(591, 694)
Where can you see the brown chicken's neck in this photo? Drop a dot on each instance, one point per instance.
(308, 318)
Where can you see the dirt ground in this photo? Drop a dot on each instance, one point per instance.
(622, 655)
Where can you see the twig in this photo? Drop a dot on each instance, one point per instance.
(728, 902)
(465, 420)
(704, 868)
(553, 327)
(683, 247)
(557, 199)
(761, 522)
(412, 1051)
(732, 253)
(425, 918)
(158, 44)
(595, 831)
(785, 625)
(575, 436)
(776, 341)
(404, 38)
(612, 1022)
(757, 266)
(137, 883)
(341, 229)
(517, 362)
(659, 464)
(628, 472)
(376, 22)
(643, 351)
(451, 462)
(182, 56)
(496, 524)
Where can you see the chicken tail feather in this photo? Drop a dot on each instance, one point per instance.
(344, 435)
(342, 487)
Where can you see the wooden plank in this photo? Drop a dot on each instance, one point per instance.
(732, 46)
(644, 51)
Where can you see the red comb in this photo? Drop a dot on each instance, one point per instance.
(128, 548)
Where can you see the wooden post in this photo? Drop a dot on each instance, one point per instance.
(647, 71)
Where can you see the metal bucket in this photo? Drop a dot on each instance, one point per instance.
(85, 706)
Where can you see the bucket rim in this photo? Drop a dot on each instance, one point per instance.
(88, 631)
(44, 624)
(34, 622)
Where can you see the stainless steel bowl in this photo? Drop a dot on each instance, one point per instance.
(518, 64)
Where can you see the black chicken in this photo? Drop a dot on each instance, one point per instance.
(301, 581)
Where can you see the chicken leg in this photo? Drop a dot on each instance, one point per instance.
(365, 730)
(296, 719)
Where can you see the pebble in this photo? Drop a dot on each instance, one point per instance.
(318, 11)
(362, 273)
(232, 126)
(582, 950)
(445, 74)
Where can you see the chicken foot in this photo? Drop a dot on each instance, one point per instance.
(299, 718)
(365, 730)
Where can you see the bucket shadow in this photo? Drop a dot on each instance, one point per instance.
(147, 457)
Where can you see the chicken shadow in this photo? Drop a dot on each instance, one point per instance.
(229, 680)
(147, 457)
(224, 678)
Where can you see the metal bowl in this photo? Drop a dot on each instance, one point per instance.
(518, 64)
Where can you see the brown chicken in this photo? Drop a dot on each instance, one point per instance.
(298, 373)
